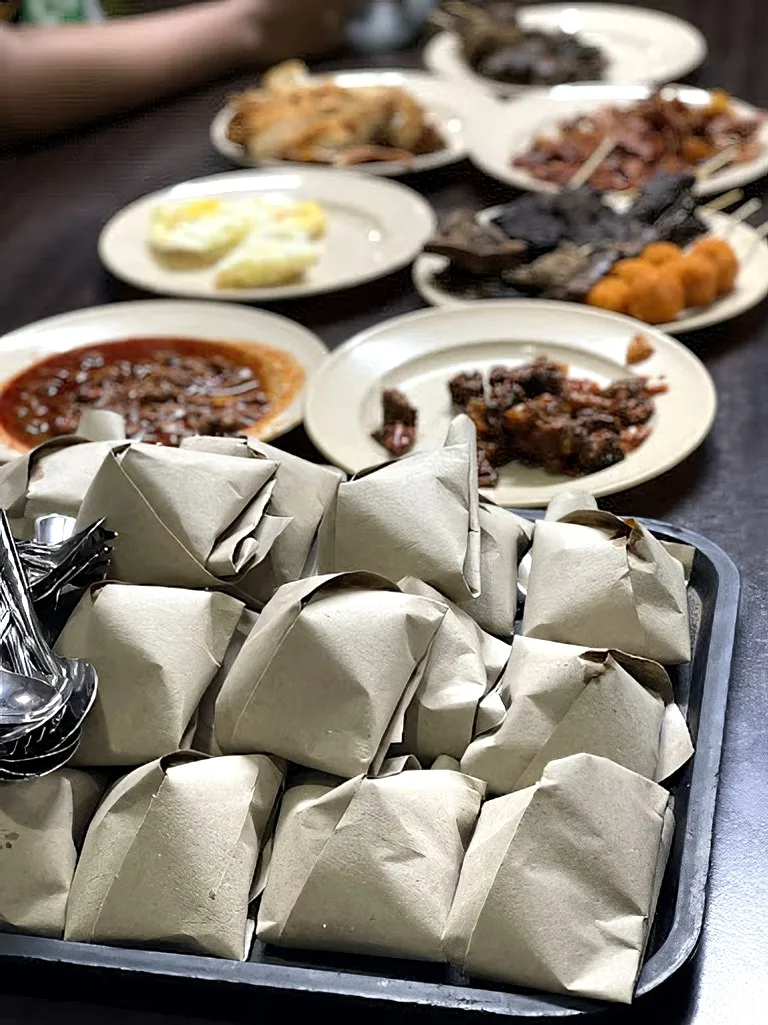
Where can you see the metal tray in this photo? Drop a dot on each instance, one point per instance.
(288, 980)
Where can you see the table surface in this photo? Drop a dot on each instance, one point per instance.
(56, 197)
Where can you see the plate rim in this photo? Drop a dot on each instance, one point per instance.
(70, 318)
(708, 403)
(494, 109)
(699, 321)
(466, 75)
(385, 169)
(275, 293)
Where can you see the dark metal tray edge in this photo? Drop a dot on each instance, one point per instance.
(283, 981)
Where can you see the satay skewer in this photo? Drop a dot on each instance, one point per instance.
(722, 202)
(590, 165)
(716, 163)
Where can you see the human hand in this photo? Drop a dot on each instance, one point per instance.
(296, 28)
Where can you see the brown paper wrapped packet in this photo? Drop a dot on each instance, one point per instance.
(327, 673)
(416, 517)
(604, 582)
(156, 651)
(463, 664)
(504, 539)
(369, 867)
(303, 492)
(42, 823)
(52, 478)
(184, 518)
(561, 700)
(560, 883)
(171, 854)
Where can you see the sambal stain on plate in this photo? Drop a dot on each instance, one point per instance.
(167, 388)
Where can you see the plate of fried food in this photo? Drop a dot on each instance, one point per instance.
(266, 235)
(617, 137)
(503, 48)
(383, 122)
(556, 391)
(661, 257)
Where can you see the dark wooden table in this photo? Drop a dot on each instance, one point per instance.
(54, 200)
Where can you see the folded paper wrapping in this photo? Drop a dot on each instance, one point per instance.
(560, 882)
(204, 738)
(302, 493)
(463, 664)
(416, 517)
(504, 539)
(558, 699)
(184, 518)
(42, 823)
(600, 581)
(369, 867)
(327, 673)
(155, 651)
(171, 854)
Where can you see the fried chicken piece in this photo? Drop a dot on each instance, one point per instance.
(465, 386)
(639, 349)
(397, 433)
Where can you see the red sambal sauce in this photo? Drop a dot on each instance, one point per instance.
(165, 388)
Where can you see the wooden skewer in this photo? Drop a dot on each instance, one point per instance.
(721, 202)
(592, 162)
(716, 163)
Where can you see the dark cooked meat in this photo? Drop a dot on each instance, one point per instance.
(474, 247)
(464, 387)
(537, 415)
(397, 433)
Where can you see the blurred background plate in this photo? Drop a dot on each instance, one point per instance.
(641, 45)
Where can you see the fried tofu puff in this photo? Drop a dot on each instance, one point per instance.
(657, 301)
(609, 294)
(699, 278)
(659, 253)
(721, 254)
(634, 271)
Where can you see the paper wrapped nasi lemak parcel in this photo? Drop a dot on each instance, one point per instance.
(463, 664)
(155, 651)
(54, 477)
(604, 582)
(417, 516)
(325, 676)
(556, 699)
(370, 866)
(171, 854)
(42, 824)
(559, 886)
(302, 493)
(184, 518)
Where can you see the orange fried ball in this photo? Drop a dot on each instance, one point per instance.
(659, 253)
(656, 301)
(609, 294)
(633, 271)
(698, 276)
(722, 255)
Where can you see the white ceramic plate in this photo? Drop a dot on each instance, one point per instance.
(751, 284)
(641, 45)
(446, 103)
(501, 131)
(420, 352)
(374, 227)
(219, 322)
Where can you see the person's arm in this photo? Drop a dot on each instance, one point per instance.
(58, 77)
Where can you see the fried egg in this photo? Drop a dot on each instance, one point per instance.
(200, 232)
(275, 255)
